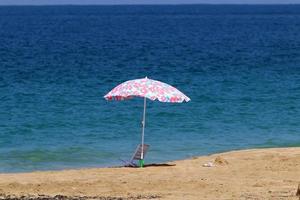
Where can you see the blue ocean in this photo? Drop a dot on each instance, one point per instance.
(240, 65)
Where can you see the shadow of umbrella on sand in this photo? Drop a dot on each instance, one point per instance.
(147, 89)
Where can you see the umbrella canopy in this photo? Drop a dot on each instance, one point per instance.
(146, 88)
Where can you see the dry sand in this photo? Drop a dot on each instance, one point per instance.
(248, 174)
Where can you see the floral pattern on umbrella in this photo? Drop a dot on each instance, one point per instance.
(148, 88)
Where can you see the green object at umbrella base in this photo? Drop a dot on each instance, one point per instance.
(141, 163)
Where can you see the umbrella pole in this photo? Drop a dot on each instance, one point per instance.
(143, 133)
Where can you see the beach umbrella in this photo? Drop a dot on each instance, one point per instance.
(147, 89)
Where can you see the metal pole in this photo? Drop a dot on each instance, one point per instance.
(143, 131)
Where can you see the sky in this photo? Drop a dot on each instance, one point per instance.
(113, 2)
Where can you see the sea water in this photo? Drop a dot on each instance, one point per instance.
(240, 65)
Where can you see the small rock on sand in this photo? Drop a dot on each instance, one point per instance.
(298, 191)
(221, 161)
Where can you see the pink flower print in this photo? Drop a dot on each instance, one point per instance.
(163, 99)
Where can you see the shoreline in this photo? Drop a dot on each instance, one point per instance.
(269, 173)
(147, 164)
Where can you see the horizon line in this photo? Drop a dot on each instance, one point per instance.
(162, 4)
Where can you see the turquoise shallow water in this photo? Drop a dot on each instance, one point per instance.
(238, 64)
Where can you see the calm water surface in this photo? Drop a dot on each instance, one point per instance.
(240, 65)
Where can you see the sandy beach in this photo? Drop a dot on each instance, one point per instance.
(247, 174)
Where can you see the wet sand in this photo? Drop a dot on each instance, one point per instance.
(247, 174)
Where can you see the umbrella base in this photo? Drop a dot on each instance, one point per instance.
(141, 163)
